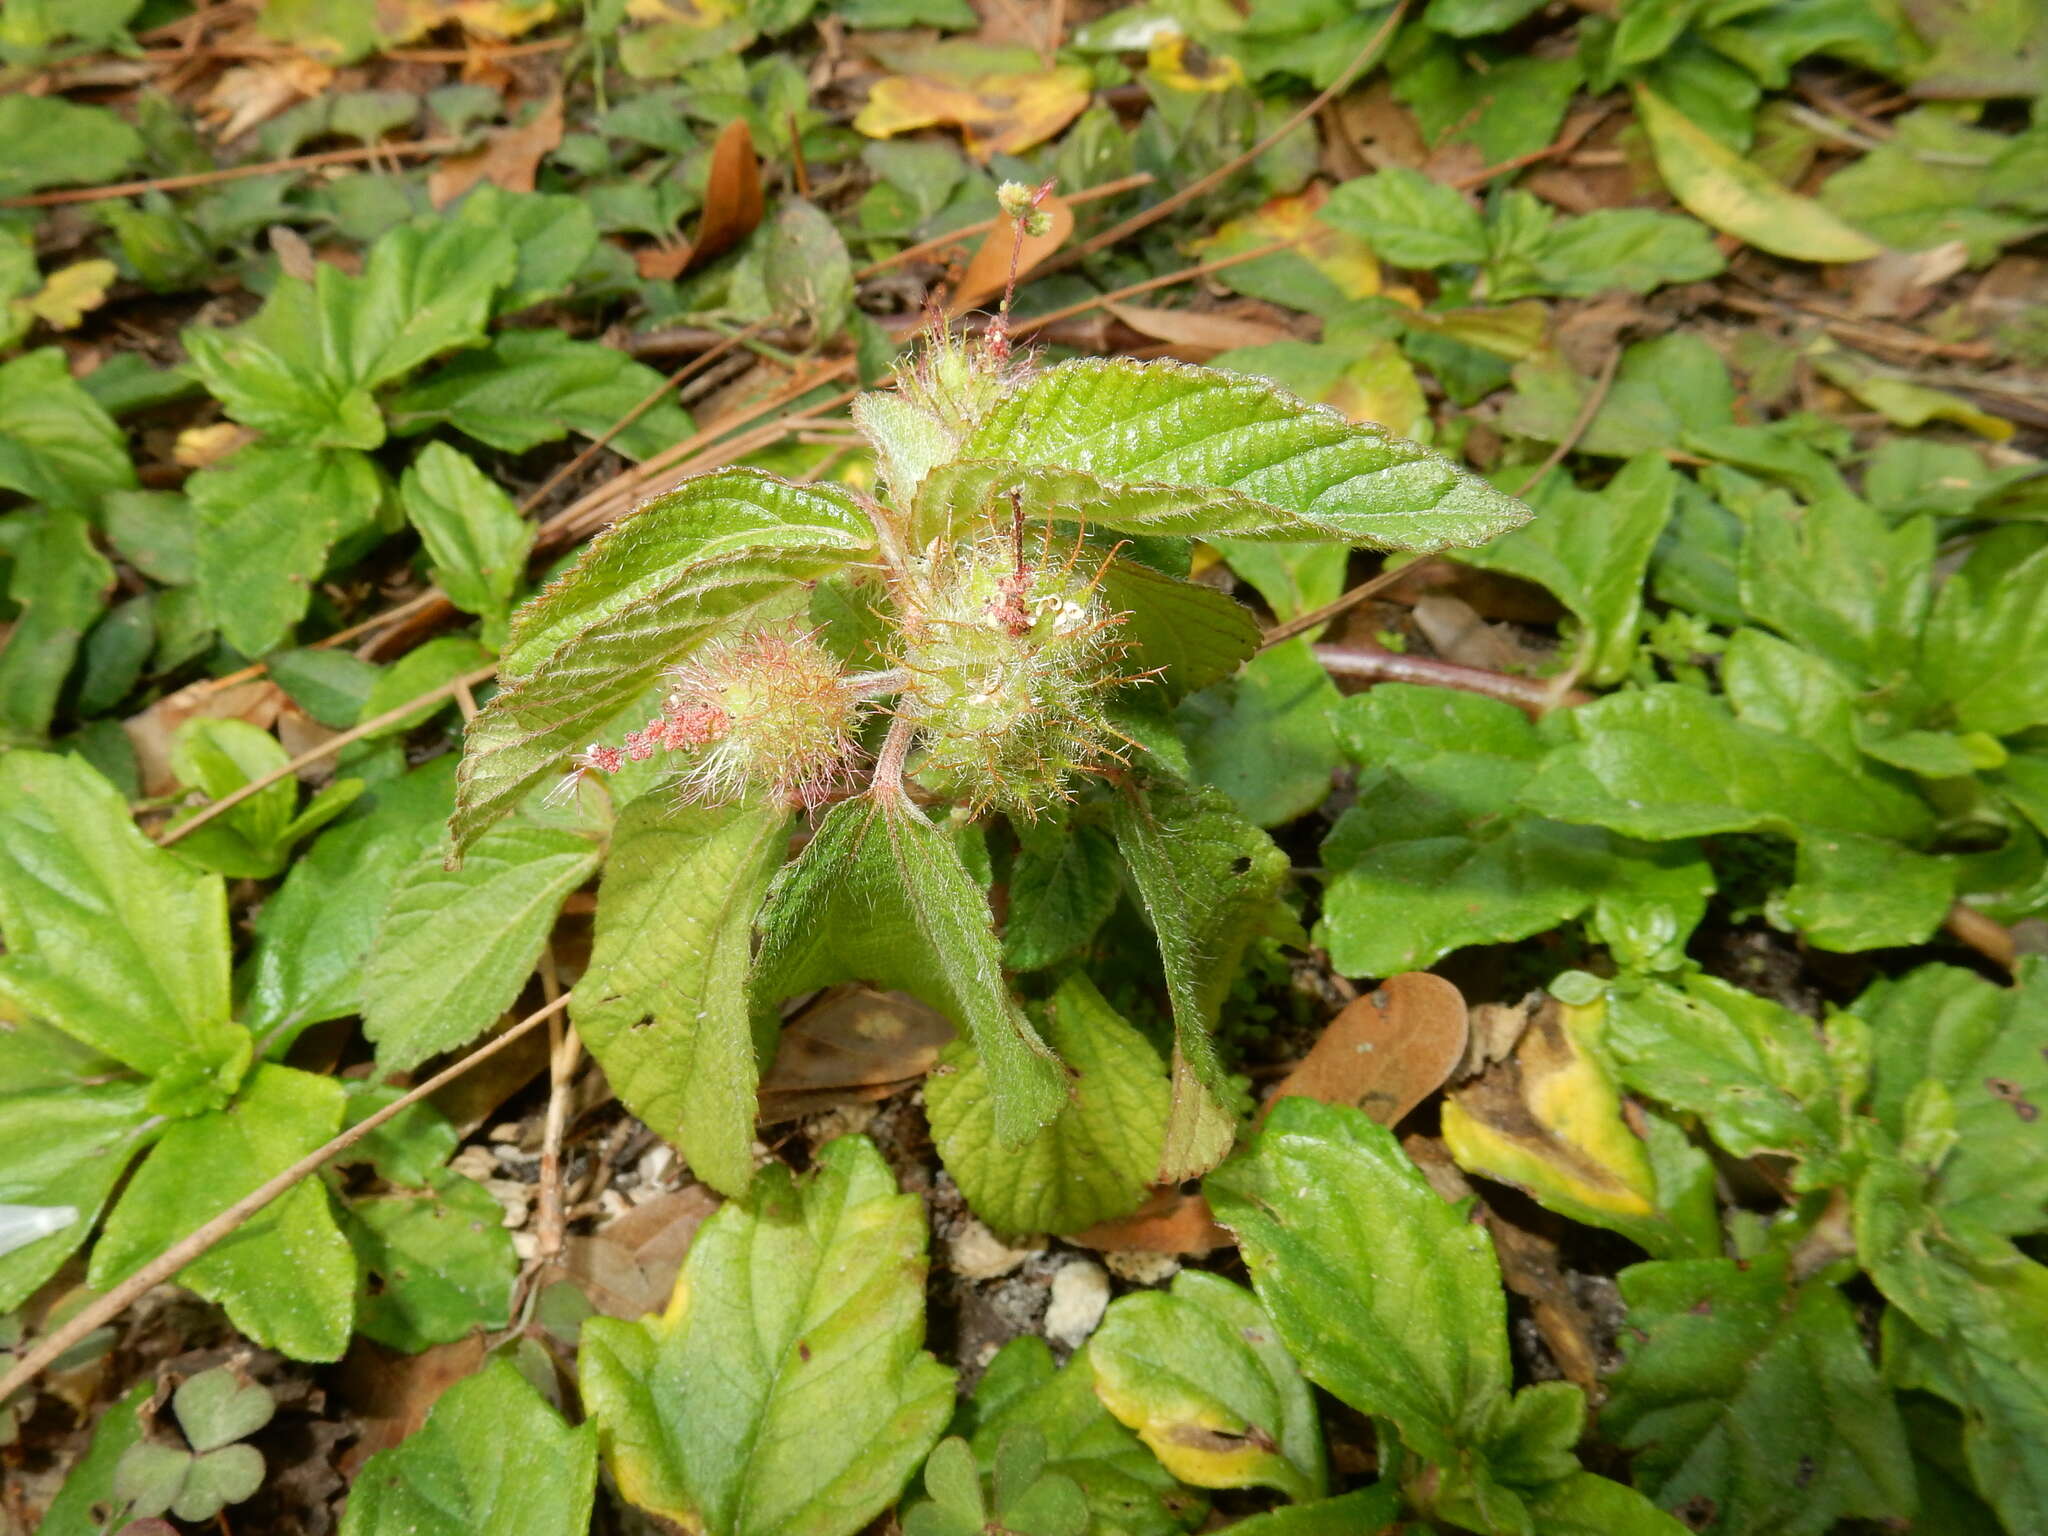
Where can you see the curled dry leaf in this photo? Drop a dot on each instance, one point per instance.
(150, 732)
(1386, 1052)
(1196, 335)
(252, 94)
(989, 270)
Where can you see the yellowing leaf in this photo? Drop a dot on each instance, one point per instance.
(1180, 63)
(1904, 403)
(1004, 112)
(1345, 259)
(1738, 198)
(69, 292)
(1548, 1120)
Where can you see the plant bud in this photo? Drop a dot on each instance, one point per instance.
(770, 713)
(1006, 662)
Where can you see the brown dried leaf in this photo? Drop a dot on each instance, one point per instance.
(989, 271)
(251, 94)
(732, 195)
(389, 1393)
(1168, 1222)
(1387, 1052)
(257, 702)
(851, 1046)
(508, 158)
(1195, 331)
(629, 1268)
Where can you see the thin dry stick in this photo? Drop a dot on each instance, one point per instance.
(1580, 423)
(326, 748)
(409, 151)
(563, 1050)
(1372, 665)
(1302, 623)
(167, 1264)
(1367, 56)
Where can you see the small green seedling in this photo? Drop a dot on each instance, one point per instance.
(216, 1410)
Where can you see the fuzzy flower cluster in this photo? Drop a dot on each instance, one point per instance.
(1006, 661)
(765, 714)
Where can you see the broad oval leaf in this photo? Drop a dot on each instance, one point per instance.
(701, 558)
(785, 1391)
(1740, 198)
(492, 1459)
(109, 938)
(1387, 1295)
(1199, 1372)
(663, 1006)
(880, 895)
(1166, 449)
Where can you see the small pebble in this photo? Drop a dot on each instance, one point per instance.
(508, 1130)
(513, 1196)
(975, 1253)
(655, 1165)
(1141, 1266)
(611, 1205)
(526, 1245)
(1080, 1294)
(475, 1163)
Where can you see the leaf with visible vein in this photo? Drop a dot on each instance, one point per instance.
(880, 895)
(702, 558)
(663, 1005)
(1163, 448)
(785, 1391)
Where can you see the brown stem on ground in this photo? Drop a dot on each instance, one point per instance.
(1373, 665)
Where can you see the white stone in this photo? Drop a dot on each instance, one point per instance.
(1141, 1266)
(975, 1253)
(655, 1164)
(475, 1163)
(1080, 1294)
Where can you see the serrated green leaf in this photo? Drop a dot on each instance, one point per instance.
(492, 1459)
(68, 1134)
(1633, 249)
(288, 1279)
(1126, 1489)
(708, 555)
(1387, 1296)
(455, 947)
(265, 521)
(57, 445)
(313, 935)
(1199, 1373)
(1738, 197)
(1837, 580)
(304, 368)
(1094, 1161)
(1208, 881)
(1757, 1073)
(1264, 737)
(52, 142)
(1591, 551)
(880, 895)
(253, 840)
(1408, 219)
(109, 938)
(474, 536)
(59, 583)
(1376, 1509)
(1784, 688)
(1163, 448)
(1751, 1396)
(785, 1391)
(663, 1006)
(555, 234)
(442, 1261)
(1668, 762)
(1192, 635)
(1982, 1042)
(532, 387)
(1063, 885)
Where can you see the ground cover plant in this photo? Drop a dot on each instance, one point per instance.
(919, 766)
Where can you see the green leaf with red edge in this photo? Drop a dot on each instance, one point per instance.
(703, 558)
